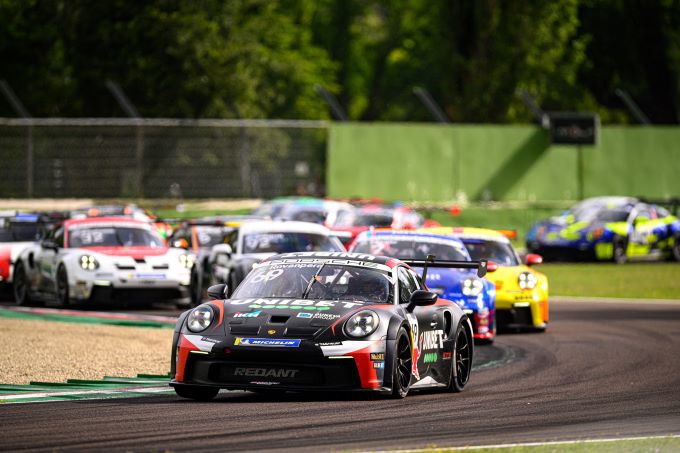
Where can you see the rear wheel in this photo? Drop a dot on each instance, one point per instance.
(197, 393)
(675, 252)
(63, 297)
(401, 369)
(462, 360)
(620, 246)
(20, 285)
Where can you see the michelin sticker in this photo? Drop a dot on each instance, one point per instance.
(267, 342)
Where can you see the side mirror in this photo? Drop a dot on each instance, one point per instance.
(181, 244)
(491, 266)
(533, 259)
(420, 298)
(224, 249)
(51, 245)
(218, 291)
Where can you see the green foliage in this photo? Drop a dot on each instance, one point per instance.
(263, 58)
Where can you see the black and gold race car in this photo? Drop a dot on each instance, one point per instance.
(325, 321)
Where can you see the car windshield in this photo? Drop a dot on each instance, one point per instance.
(289, 242)
(113, 237)
(416, 248)
(210, 235)
(500, 253)
(611, 215)
(317, 281)
(19, 232)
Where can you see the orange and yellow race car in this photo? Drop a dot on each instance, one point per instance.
(521, 292)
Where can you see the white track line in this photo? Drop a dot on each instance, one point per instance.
(22, 396)
(526, 444)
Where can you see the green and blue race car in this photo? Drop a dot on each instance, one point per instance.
(607, 228)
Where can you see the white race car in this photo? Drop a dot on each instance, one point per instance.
(252, 242)
(103, 259)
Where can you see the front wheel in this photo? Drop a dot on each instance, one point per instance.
(620, 246)
(462, 360)
(197, 393)
(63, 297)
(20, 285)
(401, 368)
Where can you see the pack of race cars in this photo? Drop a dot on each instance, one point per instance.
(317, 294)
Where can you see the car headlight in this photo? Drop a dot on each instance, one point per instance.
(200, 318)
(187, 260)
(472, 287)
(362, 324)
(527, 280)
(89, 263)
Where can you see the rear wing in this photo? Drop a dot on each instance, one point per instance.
(430, 261)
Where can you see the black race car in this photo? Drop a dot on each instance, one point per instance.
(325, 321)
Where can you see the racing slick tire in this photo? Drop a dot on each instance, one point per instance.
(401, 367)
(461, 360)
(20, 286)
(675, 251)
(619, 244)
(197, 393)
(63, 296)
(195, 287)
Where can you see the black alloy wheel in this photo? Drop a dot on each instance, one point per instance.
(403, 361)
(20, 285)
(620, 246)
(63, 298)
(462, 356)
(676, 248)
(197, 393)
(195, 287)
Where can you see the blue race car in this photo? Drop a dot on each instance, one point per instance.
(607, 228)
(476, 296)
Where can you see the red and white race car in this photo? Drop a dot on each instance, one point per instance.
(107, 259)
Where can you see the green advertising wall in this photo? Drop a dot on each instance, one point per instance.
(420, 162)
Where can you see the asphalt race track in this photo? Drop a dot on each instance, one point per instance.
(601, 371)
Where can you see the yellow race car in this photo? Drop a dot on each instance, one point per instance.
(521, 292)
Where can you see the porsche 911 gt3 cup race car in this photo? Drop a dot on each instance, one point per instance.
(111, 259)
(521, 292)
(324, 321)
(607, 228)
(474, 295)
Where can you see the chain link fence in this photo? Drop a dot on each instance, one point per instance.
(160, 158)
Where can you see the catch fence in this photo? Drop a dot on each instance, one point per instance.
(161, 158)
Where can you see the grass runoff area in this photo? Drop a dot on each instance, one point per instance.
(642, 445)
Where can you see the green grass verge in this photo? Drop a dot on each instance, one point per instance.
(631, 280)
(656, 445)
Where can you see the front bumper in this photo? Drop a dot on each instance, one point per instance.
(306, 367)
(124, 287)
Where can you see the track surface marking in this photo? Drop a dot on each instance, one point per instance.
(601, 371)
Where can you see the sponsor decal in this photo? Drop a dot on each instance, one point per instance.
(413, 322)
(266, 372)
(431, 339)
(267, 342)
(332, 343)
(295, 304)
(271, 331)
(149, 275)
(446, 356)
(326, 316)
(430, 357)
(305, 315)
(209, 340)
(377, 356)
(379, 365)
(250, 314)
(264, 382)
(355, 256)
